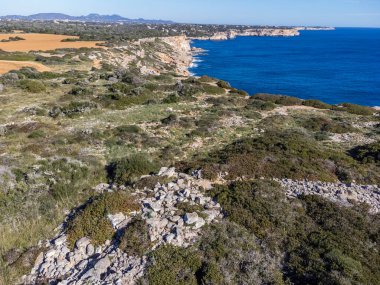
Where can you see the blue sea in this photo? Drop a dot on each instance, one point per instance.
(332, 66)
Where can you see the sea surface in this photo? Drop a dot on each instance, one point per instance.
(332, 66)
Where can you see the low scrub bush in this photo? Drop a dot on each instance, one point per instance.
(135, 239)
(278, 99)
(316, 104)
(32, 86)
(369, 153)
(173, 265)
(129, 169)
(255, 104)
(80, 91)
(213, 90)
(320, 124)
(72, 109)
(92, 220)
(355, 109)
(317, 241)
(284, 155)
(223, 84)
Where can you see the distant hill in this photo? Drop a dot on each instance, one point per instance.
(89, 18)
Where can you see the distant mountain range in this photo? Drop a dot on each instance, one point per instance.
(96, 18)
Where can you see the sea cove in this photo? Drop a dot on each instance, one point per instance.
(341, 65)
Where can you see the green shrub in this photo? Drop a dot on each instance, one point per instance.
(129, 169)
(331, 244)
(92, 220)
(369, 153)
(320, 124)
(278, 99)
(355, 109)
(126, 130)
(80, 91)
(120, 87)
(37, 134)
(213, 90)
(120, 101)
(254, 104)
(206, 79)
(135, 239)
(173, 265)
(186, 207)
(255, 205)
(32, 86)
(223, 84)
(316, 104)
(171, 120)
(73, 109)
(171, 99)
(284, 155)
(318, 241)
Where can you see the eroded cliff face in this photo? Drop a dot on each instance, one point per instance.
(181, 56)
(153, 56)
(231, 34)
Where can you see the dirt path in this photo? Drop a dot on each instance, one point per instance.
(7, 65)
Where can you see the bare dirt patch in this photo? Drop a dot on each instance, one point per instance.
(7, 65)
(42, 42)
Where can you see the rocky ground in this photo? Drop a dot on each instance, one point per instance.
(107, 264)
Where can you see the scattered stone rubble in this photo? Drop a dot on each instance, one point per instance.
(107, 264)
(344, 194)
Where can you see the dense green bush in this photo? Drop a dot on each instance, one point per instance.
(355, 109)
(120, 87)
(255, 104)
(32, 86)
(135, 239)
(80, 91)
(213, 90)
(320, 124)
(92, 220)
(72, 109)
(284, 155)
(278, 99)
(318, 241)
(369, 153)
(128, 169)
(173, 265)
(223, 84)
(316, 104)
(258, 206)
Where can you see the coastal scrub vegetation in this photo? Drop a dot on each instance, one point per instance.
(92, 220)
(64, 132)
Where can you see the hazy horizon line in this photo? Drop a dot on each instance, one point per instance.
(194, 23)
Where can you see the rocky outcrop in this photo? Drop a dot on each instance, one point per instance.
(343, 194)
(264, 32)
(107, 264)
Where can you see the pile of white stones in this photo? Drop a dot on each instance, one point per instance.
(107, 264)
(343, 194)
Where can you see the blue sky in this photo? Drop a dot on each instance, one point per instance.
(349, 13)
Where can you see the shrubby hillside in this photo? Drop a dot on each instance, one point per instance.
(112, 173)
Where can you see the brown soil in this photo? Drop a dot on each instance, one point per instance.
(44, 42)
